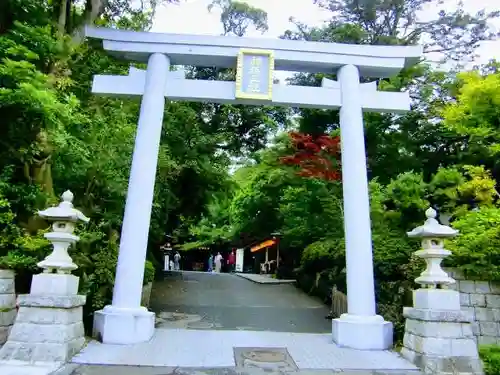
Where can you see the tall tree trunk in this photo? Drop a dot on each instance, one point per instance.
(63, 17)
(93, 9)
(38, 171)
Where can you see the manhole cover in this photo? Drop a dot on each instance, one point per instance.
(264, 358)
(176, 317)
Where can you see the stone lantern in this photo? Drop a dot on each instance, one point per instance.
(49, 327)
(438, 334)
(63, 218)
(433, 252)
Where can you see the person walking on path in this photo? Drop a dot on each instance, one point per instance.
(210, 263)
(231, 261)
(177, 259)
(218, 262)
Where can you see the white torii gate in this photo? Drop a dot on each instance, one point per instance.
(125, 321)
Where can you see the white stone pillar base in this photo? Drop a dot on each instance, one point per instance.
(114, 325)
(47, 329)
(362, 332)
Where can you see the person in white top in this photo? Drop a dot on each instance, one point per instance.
(177, 259)
(218, 262)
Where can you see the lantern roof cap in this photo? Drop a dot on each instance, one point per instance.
(64, 211)
(432, 228)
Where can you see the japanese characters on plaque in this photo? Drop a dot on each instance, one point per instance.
(254, 75)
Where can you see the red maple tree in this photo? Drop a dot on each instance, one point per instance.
(315, 156)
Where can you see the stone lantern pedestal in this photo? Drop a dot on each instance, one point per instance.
(438, 335)
(49, 327)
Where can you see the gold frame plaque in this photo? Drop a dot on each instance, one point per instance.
(240, 94)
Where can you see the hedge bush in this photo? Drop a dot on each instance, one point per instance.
(476, 250)
(490, 355)
(149, 272)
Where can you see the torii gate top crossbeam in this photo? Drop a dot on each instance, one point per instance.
(222, 51)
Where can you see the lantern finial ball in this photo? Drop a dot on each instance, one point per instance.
(430, 213)
(67, 196)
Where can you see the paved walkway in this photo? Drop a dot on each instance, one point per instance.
(23, 368)
(201, 300)
(226, 349)
(212, 324)
(133, 370)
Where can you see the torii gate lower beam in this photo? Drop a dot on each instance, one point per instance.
(125, 321)
(223, 92)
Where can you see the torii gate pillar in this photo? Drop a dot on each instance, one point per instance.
(125, 321)
(361, 327)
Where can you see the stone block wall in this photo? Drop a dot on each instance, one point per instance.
(482, 300)
(7, 304)
(440, 341)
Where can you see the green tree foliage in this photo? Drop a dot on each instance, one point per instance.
(476, 111)
(476, 249)
(397, 144)
(18, 250)
(237, 16)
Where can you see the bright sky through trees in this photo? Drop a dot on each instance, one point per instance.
(192, 17)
